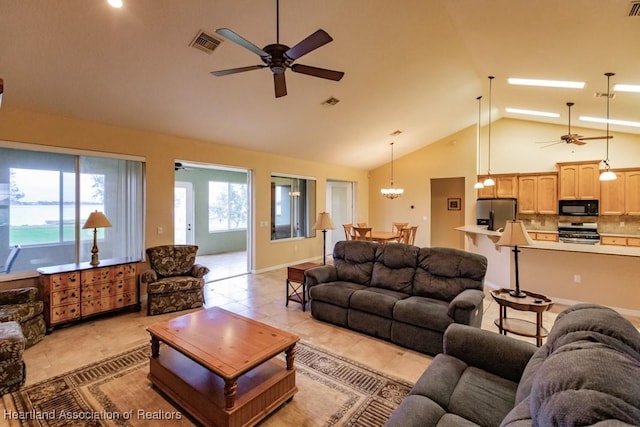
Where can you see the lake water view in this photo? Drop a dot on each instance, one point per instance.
(47, 214)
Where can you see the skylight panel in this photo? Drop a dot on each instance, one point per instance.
(545, 83)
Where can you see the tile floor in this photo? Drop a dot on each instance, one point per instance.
(258, 296)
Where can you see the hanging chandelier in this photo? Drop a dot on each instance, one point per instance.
(488, 182)
(608, 175)
(392, 192)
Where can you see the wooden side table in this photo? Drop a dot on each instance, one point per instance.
(532, 302)
(296, 286)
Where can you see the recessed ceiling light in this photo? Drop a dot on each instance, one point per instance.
(545, 83)
(626, 88)
(531, 112)
(611, 121)
(115, 3)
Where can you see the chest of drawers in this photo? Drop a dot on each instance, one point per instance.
(76, 291)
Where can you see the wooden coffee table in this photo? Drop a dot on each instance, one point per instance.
(220, 366)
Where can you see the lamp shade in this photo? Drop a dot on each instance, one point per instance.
(514, 234)
(97, 220)
(323, 222)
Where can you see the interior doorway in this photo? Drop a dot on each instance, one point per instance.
(341, 208)
(447, 212)
(213, 210)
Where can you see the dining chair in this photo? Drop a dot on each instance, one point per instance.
(348, 231)
(362, 233)
(362, 224)
(412, 234)
(397, 227)
(405, 235)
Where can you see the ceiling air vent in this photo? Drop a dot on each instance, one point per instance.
(330, 102)
(634, 8)
(604, 95)
(205, 42)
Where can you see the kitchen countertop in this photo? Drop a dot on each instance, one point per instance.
(560, 246)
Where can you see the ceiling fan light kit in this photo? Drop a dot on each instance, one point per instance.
(392, 192)
(608, 175)
(488, 182)
(278, 57)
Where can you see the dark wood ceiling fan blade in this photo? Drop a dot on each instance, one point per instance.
(236, 38)
(595, 137)
(577, 142)
(280, 85)
(317, 72)
(236, 70)
(314, 41)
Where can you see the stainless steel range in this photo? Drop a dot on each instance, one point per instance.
(578, 232)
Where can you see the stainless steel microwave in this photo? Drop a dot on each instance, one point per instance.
(578, 207)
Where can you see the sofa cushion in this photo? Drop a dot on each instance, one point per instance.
(376, 301)
(174, 284)
(336, 293)
(416, 411)
(21, 312)
(424, 312)
(354, 260)
(443, 273)
(395, 267)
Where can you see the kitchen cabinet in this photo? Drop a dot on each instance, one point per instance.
(621, 196)
(506, 187)
(76, 291)
(543, 236)
(579, 180)
(538, 194)
(620, 240)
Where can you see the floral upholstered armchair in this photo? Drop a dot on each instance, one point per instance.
(24, 306)
(174, 282)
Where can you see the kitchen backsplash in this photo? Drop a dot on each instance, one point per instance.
(607, 224)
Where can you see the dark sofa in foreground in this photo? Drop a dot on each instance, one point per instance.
(587, 373)
(397, 292)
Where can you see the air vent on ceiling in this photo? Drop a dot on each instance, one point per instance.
(395, 133)
(604, 95)
(330, 102)
(634, 8)
(205, 42)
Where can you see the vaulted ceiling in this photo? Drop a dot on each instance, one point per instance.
(411, 65)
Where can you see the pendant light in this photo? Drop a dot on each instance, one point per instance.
(489, 181)
(478, 185)
(608, 175)
(391, 192)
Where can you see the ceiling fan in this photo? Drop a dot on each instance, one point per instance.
(574, 138)
(278, 57)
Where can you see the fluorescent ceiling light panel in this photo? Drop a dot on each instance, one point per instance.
(531, 112)
(545, 83)
(611, 121)
(626, 88)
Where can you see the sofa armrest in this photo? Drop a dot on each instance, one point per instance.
(498, 354)
(149, 276)
(18, 295)
(467, 300)
(321, 274)
(199, 271)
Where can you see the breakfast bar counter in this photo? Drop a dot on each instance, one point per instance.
(568, 273)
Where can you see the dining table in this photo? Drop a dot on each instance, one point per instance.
(384, 236)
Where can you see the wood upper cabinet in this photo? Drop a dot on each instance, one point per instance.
(579, 180)
(506, 187)
(538, 194)
(632, 192)
(621, 196)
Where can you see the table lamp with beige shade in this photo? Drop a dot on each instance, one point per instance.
(96, 220)
(515, 235)
(323, 222)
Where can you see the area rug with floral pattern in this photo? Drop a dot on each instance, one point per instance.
(332, 391)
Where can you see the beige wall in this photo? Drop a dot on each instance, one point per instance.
(161, 151)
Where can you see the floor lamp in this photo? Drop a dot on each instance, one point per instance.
(96, 220)
(323, 222)
(515, 235)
